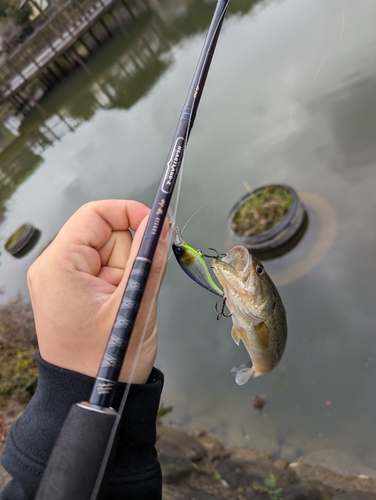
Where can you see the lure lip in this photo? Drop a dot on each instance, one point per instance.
(178, 236)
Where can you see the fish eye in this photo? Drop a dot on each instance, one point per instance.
(178, 250)
(259, 269)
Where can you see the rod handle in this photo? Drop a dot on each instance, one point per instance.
(77, 456)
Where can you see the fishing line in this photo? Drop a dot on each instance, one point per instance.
(172, 217)
(146, 320)
(124, 398)
(173, 214)
(318, 69)
(343, 22)
(174, 225)
(191, 217)
(119, 414)
(298, 99)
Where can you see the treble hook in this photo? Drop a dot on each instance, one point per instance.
(212, 256)
(221, 312)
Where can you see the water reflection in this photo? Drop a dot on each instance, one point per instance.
(349, 118)
(320, 238)
(121, 73)
(127, 76)
(281, 105)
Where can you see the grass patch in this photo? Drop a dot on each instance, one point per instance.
(18, 345)
(270, 488)
(262, 211)
(16, 236)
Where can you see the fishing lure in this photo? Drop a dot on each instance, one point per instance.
(193, 264)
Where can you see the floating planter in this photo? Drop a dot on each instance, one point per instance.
(269, 221)
(22, 240)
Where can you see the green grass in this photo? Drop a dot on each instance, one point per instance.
(16, 236)
(269, 488)
(18, 371)
(262, 211)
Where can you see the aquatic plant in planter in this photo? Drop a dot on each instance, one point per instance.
(267, 218)
(22, 240)
(262, 210)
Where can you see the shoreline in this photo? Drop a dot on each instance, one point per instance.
(198, 466)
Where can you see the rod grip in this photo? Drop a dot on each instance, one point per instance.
(77, 456)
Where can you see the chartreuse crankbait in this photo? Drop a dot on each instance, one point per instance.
(193, 264)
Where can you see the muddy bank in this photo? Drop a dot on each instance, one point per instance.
(197, 466)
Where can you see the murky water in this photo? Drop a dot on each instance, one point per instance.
(290, 98)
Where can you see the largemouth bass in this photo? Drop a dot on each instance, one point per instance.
(193, 264)
(258, 315)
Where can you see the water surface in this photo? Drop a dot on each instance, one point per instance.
(290, 98)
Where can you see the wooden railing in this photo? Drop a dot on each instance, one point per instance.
(65, 23)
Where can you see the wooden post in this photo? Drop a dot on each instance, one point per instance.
(105, 27)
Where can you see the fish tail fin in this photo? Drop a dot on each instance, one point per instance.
(244, 372)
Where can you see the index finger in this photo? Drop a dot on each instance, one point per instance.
(94, 222)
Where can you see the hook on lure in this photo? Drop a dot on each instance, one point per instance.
(217, 256)
(221, 312)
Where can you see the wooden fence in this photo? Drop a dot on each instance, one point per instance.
(69, 32)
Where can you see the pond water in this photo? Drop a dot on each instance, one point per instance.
(290, 98)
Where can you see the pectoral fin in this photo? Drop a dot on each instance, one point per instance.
(236, 335)
(262, 332)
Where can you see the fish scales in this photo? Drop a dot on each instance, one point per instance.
(257, 311)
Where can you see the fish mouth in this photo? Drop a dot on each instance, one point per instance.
(239, 259)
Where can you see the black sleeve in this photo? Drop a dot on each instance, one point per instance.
(136, 472)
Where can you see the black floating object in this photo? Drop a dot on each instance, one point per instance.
(281, 237)
(22, 240)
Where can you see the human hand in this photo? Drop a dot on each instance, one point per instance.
(77, 283)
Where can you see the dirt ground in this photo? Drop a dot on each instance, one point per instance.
(197, 466)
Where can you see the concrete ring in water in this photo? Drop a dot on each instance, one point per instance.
(281, 237)
(20, 244)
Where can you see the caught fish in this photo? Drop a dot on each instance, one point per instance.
(257, 312)
(193, 264)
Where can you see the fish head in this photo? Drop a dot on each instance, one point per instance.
(245, 283)
(239, 269)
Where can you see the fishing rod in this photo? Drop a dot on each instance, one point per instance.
(80, 457)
